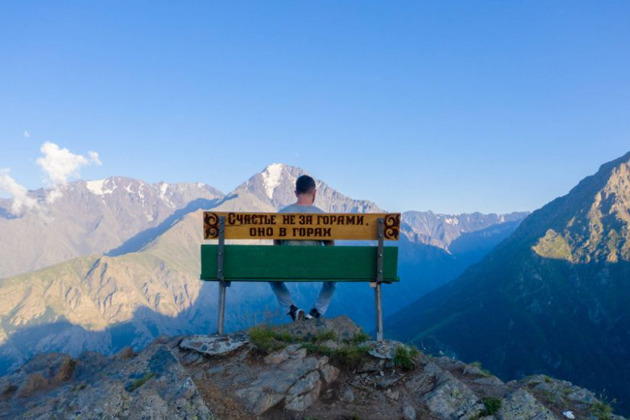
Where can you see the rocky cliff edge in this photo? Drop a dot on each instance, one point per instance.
(316, 369)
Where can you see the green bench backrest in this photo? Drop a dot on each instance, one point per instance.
(299, 263)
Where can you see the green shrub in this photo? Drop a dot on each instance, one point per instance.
(403, 357)
(414, 352)
(601, 410)
(491, 406)
(349, 356)
(359, 338)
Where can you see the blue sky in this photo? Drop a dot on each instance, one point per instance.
(488, 106)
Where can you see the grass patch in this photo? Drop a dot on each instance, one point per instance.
(268, 340)
(491, 406)
(139, 382)
(349, 355)
(483, 370)
(601, 410)
(320, 337)
(359, 338)
(403, 357)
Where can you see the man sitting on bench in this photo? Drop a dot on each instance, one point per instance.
(305, 192)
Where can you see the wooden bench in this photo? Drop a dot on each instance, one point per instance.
(262, 263)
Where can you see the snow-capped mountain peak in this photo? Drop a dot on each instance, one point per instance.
(274, 188)
(271, 178)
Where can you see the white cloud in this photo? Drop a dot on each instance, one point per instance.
(60, 164)
(94, 158)
(27, 134)
(54, 194)
(18, 192)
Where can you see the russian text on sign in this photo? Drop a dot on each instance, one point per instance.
(312, 226)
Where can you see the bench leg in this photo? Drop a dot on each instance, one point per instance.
(222, 290)
(378, 302)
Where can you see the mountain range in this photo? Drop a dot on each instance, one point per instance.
(91, 217)
(144, 281)
(552, 298)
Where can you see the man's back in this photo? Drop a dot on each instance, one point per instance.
(297, 208)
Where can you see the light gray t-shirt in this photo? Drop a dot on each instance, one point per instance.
(295, 208)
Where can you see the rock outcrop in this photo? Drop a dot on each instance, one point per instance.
(326, 369)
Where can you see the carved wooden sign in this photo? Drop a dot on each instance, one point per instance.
(305, 226)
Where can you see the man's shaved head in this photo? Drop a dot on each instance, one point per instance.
(304, 184)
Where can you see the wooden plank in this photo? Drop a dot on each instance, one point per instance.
(298, 263)
(301, 226)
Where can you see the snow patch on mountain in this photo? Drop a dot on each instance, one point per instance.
(271, 178)
(98, 187)
(452, 221)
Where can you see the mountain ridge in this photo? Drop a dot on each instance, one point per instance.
(82, 222)
(541, 301)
